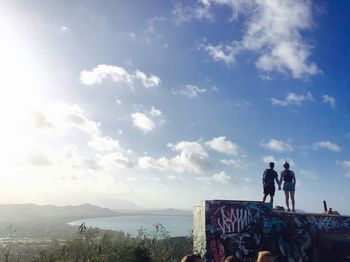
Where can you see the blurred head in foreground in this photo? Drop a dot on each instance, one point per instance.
(231, 259)
(191, 258)
(265, 256)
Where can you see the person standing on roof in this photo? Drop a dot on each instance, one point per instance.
(288, 177)
(268, 181)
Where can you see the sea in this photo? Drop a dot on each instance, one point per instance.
(177, 225)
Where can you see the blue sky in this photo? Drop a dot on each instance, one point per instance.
(166, 103)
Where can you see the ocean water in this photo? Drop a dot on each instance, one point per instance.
(177, 225)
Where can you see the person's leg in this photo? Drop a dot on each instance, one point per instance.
(272, 194)
(266, 192)
(293, 201)
(264, 198)
(286, 193)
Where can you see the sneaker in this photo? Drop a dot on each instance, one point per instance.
(293, 210)
(288, 210)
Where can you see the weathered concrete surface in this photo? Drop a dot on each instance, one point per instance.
(242, 228)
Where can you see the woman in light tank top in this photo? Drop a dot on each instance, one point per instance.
(288, 177)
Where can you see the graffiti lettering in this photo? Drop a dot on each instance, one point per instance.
(233, 220)
(324, 223)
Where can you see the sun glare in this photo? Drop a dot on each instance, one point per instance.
(21, 88)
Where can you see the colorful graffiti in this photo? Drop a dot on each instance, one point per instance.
(242, 228)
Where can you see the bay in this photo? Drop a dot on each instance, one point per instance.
(177, 225)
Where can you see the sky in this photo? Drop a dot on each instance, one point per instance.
(162, 104)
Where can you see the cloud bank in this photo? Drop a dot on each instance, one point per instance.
(273, 30)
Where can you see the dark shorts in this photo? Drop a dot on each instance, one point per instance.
(269, 190)
(288, 186)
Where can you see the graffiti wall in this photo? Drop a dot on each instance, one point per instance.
(243, 228)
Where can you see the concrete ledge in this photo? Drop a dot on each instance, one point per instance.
(243, 228)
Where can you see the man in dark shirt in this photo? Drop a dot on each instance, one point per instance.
(268, 181)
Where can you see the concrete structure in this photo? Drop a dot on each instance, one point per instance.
(243, 228)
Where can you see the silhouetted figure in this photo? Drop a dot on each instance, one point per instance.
(288, 177)
(268, 181)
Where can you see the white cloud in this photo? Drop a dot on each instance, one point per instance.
(151, 35)
(293, 99)
(106, 72)
(60, 117)
(71, 158)
(146, 121)
(194, 148)
(114, 160)
(192, 158)
(329, 100)
(187, 13)
(242, 103)
(326, 145)
(104, 143)
(221, 145)
(346, 165)
(176, 178)
(147, 81)
(273, 30)
(278, 162)
(143, 122)
(221, 177)
(70, 153)
(102, 73)
(147, 162)
(240, 164)
(221, 52)
(38, 158)
(151, 23)
(191, 91)
(171, 177)
(277, 145)
(68, 158)
(155, 112)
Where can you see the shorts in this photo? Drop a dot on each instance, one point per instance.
(288, 186)
(269, 190)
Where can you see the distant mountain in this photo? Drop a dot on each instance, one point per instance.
(33, 213)
(160, 212)
(120, 204)
(172, 211)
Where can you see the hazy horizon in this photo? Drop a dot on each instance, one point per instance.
(162, 104)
